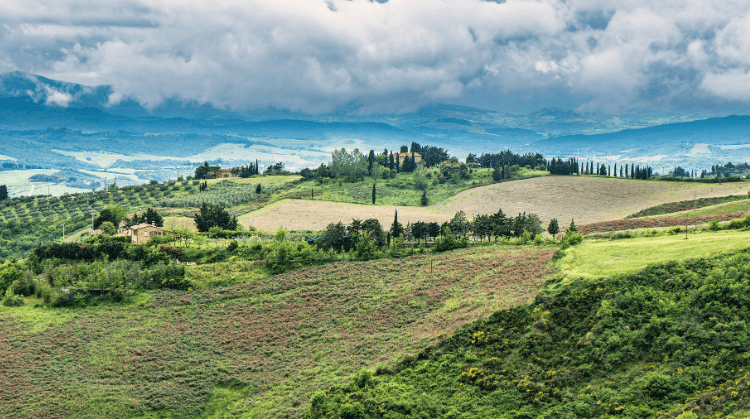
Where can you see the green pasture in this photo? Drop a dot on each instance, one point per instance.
(610, 257)
(727, 208)
(259, 179)
(400, 190)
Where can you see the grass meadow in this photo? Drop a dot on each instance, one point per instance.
(398, 191)
(595, 258)
(259, 349)
(720, 209)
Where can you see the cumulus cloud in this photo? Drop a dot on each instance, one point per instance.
(321, 55)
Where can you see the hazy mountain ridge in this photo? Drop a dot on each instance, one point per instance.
(39, 117)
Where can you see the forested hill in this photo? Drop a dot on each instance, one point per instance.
(669, 341)
(725, 131)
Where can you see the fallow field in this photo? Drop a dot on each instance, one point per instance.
(586, 199)
(259, 349)
(297, 214)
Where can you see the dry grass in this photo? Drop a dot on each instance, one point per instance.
(585, 199)
(297, 215)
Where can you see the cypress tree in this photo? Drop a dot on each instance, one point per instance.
(397, 229)
(398, 163)
(615, 171)
(621, 172)
(373, 193)
(424, 200)
(390, 161)
(3, 192)
(553, 228)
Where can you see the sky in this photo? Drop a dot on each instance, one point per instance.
(320, 56)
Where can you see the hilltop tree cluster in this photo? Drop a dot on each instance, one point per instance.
(508, 158)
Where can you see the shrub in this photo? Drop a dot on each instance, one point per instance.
(571, 239)
(13, 301)
(713, 225)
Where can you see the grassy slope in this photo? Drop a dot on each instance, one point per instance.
(720, 209)
(610, 257)
(258, 349)
(398, 191)
(667, 340)
(686, 205)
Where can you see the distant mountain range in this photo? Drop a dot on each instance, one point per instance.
(41, 117)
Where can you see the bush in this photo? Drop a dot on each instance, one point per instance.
(713, 225)
(13, 301)
(571, 239)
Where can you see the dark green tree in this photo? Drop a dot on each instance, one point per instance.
(370, 160)
(374, 194)
(258, 189)
(335, 237)
(152, 217)
(408, 165)
(390, 161)
(397, 230)
(108, 215)
(404, 149)
(214, 216)
(419, 230)
(572, 227)
(496, 174)
(201, 172)
(372, 227)
(433, 229)
(424, 200)
(553, 228)
(3, 192)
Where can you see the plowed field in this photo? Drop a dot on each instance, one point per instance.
(261, 348)
(585, 199)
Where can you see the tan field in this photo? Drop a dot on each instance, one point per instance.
(585, 199)
(298, 214)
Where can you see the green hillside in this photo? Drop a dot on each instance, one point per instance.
(259, 349)
(667, 341)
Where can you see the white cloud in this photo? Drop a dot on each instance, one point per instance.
(57, 98)
(318, 55)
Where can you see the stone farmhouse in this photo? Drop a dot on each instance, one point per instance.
(402, 156)
(142, 232)
(224, 173)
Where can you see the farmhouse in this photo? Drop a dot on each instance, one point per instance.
(142, 232)
(224, 173)
(401, 156)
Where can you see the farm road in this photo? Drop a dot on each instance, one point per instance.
(585, 199)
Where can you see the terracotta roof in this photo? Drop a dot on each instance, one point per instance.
(143, 225)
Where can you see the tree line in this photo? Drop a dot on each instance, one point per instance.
(340, 237)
